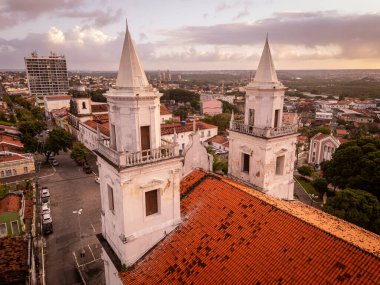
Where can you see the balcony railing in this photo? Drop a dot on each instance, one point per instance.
(262, 132)
(125, 158)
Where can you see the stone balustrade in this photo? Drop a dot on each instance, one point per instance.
(125, 158)
(262, 132)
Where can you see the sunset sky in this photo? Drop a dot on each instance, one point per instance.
(193, 34)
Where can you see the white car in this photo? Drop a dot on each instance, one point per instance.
(45, 193)
(97, 179)
(46, 219)
(55, 163)
(45, 209)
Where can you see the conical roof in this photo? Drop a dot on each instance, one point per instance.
(266, 73)
(131, 73)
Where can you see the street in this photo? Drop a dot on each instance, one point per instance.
(70, 190)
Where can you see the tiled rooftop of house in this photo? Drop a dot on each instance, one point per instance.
(103, 128)
(231, 234)
(341, 132)
(101, 118)
(99, 108)
(10, 158)
(320, 136)
(10, 203)
(164, 110)
(13, 260)
(11, 141)
(167, 129)
(218, 139)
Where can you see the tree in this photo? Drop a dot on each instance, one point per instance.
(57, 140)
(305, 170)
(320, 184)
(183, 96)
(323, 130)
(355, 164)
(30, 142)
(228, 107)
(356, 206)
(79, 153)
(31, 127)
(220, 120)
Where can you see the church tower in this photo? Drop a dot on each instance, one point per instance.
(139, 172)
(262, 150)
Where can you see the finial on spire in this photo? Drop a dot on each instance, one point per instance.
(232, 116)
(194, 125)
(266, 39)
(126, 23)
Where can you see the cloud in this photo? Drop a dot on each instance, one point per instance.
(298, 40)
(355, 35)
(84, 48)
(13, 12)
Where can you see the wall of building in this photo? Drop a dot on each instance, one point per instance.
(17, 167)
(55, 104)
(262, 170)
(128, 218)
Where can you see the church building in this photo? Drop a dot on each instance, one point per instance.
(167, 219)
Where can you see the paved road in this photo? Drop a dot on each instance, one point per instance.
(70, 189)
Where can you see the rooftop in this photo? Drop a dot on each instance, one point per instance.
(13, 260)
(164, 110)
(99, 108)
(232, 234)
(167, 129)
(10, 203)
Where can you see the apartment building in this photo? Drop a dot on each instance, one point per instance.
(47, 75)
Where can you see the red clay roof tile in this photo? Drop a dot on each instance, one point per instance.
(167, 129)
(10, 203)
(229, 236)
(13, 260)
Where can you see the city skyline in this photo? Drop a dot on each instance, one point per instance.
(192, 35)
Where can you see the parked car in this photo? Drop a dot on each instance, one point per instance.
(87, 169)
(47, 228)
(54, 163)
(44, 200)
(45, 209)
(97, 179)
(46, 219)
(45, 193)
(51, 158)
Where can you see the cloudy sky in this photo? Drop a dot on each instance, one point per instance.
(193, 34)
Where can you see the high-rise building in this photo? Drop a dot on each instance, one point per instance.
(47, 75)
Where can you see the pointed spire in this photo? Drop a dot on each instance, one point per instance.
(131, 73)
(266, 73)
(232, 116)
(175, 137)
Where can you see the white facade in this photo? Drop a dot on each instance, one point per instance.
(322, 147)
(323, 115)
(261, 149)
(183, 138)
(55, 102)
(139, 174)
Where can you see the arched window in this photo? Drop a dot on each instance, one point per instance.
(84, 105)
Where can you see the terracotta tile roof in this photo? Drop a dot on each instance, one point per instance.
(167, 129)
(103, 128)
(341, 132)
(99, 108)
(101, 118)
(13, 260)
(218, 139)
(231, 234)
(10, 158)
(10, 203)
(11, 141)
(164, 110)
(342, 140)
(28, 210)
(320, 136)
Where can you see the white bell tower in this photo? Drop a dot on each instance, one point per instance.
(262, 150)
(139, 173)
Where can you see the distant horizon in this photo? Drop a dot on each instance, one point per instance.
(209, 70)
(194, 35)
